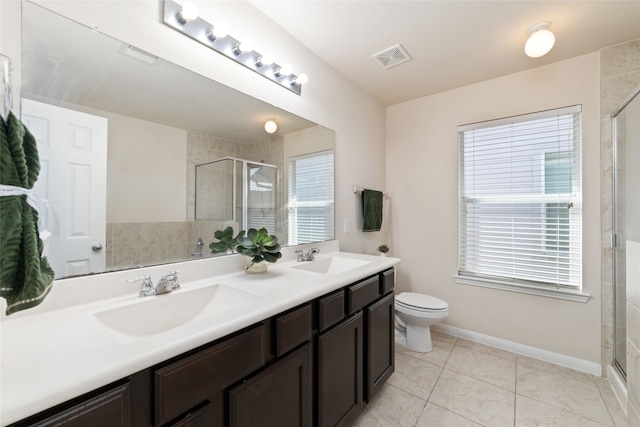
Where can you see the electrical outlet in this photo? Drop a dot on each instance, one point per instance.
(347, 225)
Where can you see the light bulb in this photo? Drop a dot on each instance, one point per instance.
(541, 40)
(265, 59)
(301, 79)
(270, 126)
(243, 47)
(218, 31)
(188, 12)
(285, 70)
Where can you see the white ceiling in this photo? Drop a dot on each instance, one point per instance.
(452, 43)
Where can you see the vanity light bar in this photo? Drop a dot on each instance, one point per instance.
(200, 30)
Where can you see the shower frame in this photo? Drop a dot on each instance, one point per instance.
(245, 190)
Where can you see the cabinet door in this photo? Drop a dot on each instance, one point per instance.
(380, 344)
(201, 417)
(279, 396)
(109, 409)
(340, 370)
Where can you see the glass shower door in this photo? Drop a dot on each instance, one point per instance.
(626, 241)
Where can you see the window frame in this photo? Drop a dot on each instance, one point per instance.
(571, 291)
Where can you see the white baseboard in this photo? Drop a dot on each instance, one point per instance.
(618, 385)
(525, 350)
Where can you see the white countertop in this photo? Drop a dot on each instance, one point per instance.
(61, 350)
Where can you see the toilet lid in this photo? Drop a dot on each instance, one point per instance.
(421, 301)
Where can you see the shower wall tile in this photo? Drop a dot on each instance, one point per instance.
(621, 59)
(633, 324)
(153, 233)
(177, 233)
(617, 90)
(126, 235)
(633, 378)
(153, 254)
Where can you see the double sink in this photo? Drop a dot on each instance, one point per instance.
(145, 316)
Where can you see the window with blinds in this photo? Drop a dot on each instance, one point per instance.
(311, 204)
(521, 200)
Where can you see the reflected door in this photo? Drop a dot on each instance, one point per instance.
(73, 178)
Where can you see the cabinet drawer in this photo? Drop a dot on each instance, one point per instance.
(387, 282)
(184, 384)
(330, 310)
(108, 409)
(362, 294)
(201, 417)
(293, 329)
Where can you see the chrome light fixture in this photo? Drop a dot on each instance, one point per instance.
(185, 19)
(540, 41)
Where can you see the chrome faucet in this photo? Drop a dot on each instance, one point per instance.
(309, 256)
(147, 289)
(167, 283)
(199, 246)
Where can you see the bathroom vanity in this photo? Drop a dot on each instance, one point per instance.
(322, 352)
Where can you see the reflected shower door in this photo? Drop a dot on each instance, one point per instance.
(262, 197)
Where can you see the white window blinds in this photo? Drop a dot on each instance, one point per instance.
(520, 199)
(311, 198)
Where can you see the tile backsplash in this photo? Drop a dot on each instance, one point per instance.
(131, 245)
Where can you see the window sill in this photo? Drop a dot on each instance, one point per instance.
(564, 294)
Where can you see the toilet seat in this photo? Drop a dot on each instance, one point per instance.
(420, 302)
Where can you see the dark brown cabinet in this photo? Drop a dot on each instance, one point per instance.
(203, 376)
(340, 373)
(279, 396)
(314, 365)
(380, 347)
(108, 409)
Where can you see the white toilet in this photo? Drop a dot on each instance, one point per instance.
(415, 313)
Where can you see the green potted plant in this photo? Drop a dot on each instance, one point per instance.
(383, 249)
(226, 242)
(261, 247)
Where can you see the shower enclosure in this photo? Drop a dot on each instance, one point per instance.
(626, 237)
(238, 192)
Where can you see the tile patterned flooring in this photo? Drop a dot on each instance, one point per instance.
(464, 384)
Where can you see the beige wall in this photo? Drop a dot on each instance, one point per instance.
(147, 172)
(422, 178)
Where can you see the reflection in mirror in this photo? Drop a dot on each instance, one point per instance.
(138, 131)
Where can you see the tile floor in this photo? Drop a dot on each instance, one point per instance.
(463, 384)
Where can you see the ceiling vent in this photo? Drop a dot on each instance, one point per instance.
(138, 53)
(395, 55)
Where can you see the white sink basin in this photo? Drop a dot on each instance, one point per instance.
(331, 265)
(155, 314)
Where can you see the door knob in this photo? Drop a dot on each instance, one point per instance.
(97, 247)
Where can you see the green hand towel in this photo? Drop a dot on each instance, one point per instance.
(25, 276)
(371, 210)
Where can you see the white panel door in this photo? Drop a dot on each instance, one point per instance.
(73, 177)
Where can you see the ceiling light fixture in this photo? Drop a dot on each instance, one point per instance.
(540, 41)
(270, 126)
(185, 20)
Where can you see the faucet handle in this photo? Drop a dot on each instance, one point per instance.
(300, 255)
(173, 277)
(147, 285)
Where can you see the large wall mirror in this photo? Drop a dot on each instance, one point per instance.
(143, 160)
